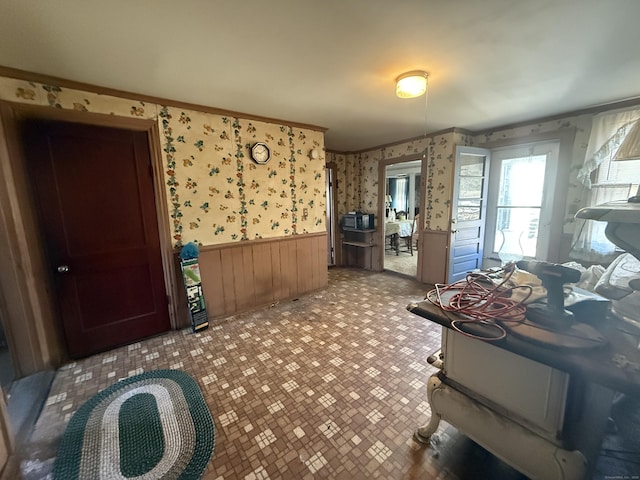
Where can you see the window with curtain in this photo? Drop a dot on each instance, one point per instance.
(399, 191)
(609, 177)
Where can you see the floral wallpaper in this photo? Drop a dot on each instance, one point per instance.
(215, 192)
(358, 177)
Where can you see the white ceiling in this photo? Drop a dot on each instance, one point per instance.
(333, 63)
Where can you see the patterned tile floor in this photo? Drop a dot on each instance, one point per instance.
(331, 385)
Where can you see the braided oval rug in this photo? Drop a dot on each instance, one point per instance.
(150, 426)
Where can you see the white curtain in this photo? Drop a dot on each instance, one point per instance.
(400, 200)
(607, 134)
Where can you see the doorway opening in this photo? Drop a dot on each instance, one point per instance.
(401, 217)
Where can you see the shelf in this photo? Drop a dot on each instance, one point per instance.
(359, 244)
(357, 230)
(357, 247)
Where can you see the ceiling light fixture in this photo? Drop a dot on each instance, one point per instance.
(411, 84)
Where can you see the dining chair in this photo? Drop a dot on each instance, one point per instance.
(408, 239)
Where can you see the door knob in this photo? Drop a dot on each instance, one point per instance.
(454, 230)
(63, 268)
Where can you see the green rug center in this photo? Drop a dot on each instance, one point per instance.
(141, 437)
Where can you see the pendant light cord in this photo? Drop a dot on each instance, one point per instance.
(426, 100)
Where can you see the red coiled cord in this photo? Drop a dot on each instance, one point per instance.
(481, 305)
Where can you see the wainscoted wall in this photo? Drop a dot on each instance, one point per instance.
(215, 193)
(358, 189)
(356, 180)
(240, 276)
(216, 196)
(358, 176)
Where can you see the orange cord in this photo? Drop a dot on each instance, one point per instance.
(478, 304)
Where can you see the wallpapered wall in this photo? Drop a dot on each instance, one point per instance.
(216, 193)
(358, 173)
(358, 176)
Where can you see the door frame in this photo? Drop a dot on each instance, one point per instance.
(566, 137)
(382, 169)
(332, 220)
(34, 332)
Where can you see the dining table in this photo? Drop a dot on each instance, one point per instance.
(395, 229)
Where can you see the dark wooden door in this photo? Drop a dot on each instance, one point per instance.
(93, 190)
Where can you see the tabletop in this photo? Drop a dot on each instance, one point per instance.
(401, 227)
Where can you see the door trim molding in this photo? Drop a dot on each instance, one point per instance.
(33, 330)
(382, 168)
(337, 253)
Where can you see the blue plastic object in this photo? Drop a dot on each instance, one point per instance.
(190, 250)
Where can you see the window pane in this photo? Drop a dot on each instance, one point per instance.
(468, 213)
(469, 209)
(522, 181)
(523, 222)
(618, 172)
(471, 165)
(470, 187)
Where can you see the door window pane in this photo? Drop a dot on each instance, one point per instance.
(469, 210)
(470, 187)
(472, 165)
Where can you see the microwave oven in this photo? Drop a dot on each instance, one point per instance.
(358, 221)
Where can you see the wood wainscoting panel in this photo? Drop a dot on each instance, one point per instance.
(288, 273)
(240, 276)
(215, 281)
(263, 277)
(320, 272)
(433, 245)
(304, 270)
(226, 297)
(276, 268)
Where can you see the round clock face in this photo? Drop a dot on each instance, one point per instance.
(260, 153)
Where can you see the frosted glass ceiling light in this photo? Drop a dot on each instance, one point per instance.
(411, 84)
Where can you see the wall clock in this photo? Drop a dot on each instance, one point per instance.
(260, 153)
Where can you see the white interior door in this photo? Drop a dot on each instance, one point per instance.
(468, 211)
